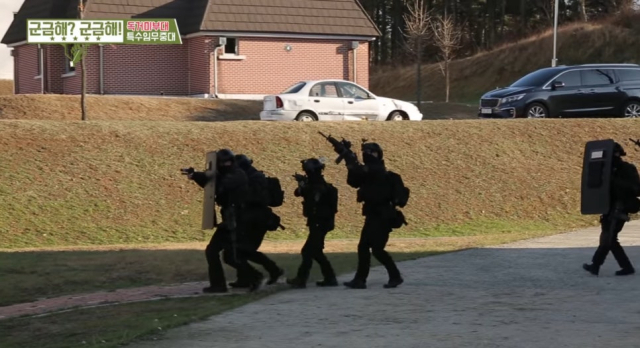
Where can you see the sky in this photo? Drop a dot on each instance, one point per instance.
(7, 7)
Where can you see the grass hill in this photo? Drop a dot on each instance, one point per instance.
(120, 108)
(6, 87)
(75, 183)
(616, 40)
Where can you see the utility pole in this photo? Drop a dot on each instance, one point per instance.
(554, 62)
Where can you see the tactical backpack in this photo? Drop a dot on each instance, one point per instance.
(273, 221)
(276, 194)
(400, 193)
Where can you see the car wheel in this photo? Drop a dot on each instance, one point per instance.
(537, 110)
(396, 116)
(632, 110)
(305, 117)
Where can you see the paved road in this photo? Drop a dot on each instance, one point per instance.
(531, 293)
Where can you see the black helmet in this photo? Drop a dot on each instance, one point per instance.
(617, 148)
(224, 156)
(369, 148)
(312, 165)
(243, 161)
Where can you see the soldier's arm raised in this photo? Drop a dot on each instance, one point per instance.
(355, 175)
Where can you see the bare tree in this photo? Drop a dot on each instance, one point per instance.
(447, 37)
(83, 105)
(583, 9)
(418, 32)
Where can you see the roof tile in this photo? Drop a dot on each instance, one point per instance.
(339, 17)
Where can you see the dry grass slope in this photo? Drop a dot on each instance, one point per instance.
(74, 183)
(119, 108)
(614, 41)
(6, 87)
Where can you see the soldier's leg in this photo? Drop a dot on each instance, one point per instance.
(240, 263)
(217, 280)
(328, 273)
(263, 260)
(364, 257)
(618, 252)
(379, 241)
(300, 281)
(604, 246)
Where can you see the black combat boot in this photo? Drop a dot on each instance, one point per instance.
(215, 289)
(328, 282)
(591, 268)
(273, 277)
(393, 283)
(626, 271)
(297, 283)
(256, 284)
(356, 284)
(240, 284)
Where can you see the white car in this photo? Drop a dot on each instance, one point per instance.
(334, 100)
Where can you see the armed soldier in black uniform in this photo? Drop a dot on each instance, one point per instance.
(319, 206)
(381, 191)
(260, 219)
(231, 194)
(625, 188)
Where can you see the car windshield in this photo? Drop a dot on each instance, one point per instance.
(295, 88)
(536, 78)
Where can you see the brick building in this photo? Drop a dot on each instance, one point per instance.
(270, 45)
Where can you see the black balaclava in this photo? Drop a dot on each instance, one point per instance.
(225, 161)
(371, 153)
(313, 168)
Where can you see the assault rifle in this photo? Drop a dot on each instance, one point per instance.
(637, 142)
(300, 178)
(342, 148)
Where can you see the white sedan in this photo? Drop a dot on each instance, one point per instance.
(334, 100)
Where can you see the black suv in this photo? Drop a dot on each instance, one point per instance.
(589, 90)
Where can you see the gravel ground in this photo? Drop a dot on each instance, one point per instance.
(531, 293)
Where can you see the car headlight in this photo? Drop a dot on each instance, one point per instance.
(511, 99)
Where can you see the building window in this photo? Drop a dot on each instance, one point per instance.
(69, 66)
(231, 47)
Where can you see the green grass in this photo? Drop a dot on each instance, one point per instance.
(31, 275)
(28, 275)
(112, 326)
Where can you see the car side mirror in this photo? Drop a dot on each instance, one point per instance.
(557, 84)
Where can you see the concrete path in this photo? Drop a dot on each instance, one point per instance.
(531, 293)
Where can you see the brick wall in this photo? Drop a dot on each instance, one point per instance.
(72, 84)
(26, 68)
(188, 69)
(200, 49)
(268, 68)
(146, 69)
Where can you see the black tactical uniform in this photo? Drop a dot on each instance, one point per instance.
(257, 214)
(319, 206)
(375, 189)
(625, 187)
(232, 191)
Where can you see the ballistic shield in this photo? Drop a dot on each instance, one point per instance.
(596, 177)
(209, 210)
